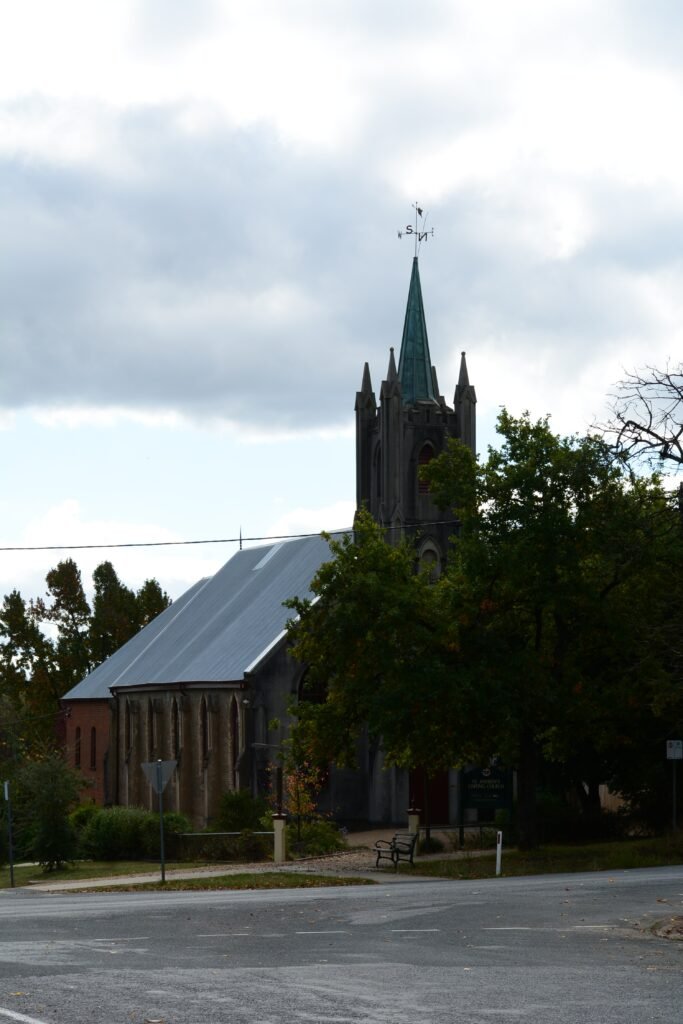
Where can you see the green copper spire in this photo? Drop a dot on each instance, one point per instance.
(414, 364)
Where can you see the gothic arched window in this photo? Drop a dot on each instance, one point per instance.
(77, 747)
(93, 748)
(127, 736)
(204, 729)
(234, 736)
(150, 729)
(175, 729)
(426, 455)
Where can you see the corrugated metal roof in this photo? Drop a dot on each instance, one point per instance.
(219, 627)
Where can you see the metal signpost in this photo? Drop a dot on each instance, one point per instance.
(9, 834)
(674, 753)
(158, 773)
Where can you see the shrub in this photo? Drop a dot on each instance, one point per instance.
(127, 833)
(317, 838)
(149, 830)
(81, 816)
(253, 847)
(48, 789)
(240, 811)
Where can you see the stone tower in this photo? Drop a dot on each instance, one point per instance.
(410, 427)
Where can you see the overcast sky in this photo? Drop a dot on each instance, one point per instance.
(199, 205)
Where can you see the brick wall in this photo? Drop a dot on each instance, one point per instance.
(83, 717)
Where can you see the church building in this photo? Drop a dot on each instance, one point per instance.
(209, 681)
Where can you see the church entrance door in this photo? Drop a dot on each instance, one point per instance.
(432, 800)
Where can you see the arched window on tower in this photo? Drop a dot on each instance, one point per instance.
(426, 455)
(430, 561)
(378, 473)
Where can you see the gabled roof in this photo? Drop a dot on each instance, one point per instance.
(221, 627)
(414, 364)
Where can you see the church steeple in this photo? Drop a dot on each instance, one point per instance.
(414, 364)
(409, 425)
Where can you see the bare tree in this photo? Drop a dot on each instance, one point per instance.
(647, 415)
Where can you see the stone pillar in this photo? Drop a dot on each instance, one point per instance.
(413, 821)
(280, 843)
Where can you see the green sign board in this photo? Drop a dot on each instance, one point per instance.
(487, 789)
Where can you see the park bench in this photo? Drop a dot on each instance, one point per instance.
(401, 847)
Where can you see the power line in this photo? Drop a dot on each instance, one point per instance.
(215, 540)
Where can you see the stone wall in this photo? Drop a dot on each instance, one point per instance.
(201, 727)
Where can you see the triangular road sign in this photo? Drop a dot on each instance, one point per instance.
(158, 773)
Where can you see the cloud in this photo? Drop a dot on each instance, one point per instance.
(202, 227)
(337, 516)
(66, 523)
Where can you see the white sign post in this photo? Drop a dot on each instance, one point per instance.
(158, 773)
(674, 753)
(499, 852)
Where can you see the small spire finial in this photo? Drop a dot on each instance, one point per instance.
(463, 379)
(420, 231)
(392, 375)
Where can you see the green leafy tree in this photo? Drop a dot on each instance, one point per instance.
(555, 588)
(116, 614)
(376, 649)
(151, 601)
(48, 791)
(68, 610)
(29, 683)
(547, 641)
(48, 645)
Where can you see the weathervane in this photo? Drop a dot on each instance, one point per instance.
(420, 231)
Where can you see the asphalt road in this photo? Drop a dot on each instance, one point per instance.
(543, 950)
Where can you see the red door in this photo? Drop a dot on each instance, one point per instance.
(432, 801)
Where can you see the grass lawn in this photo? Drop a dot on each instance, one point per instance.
(610, 856)
(25, 874)
(86, 870)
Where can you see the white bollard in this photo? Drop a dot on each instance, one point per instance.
(413, 822)
(280, 839)
(499, 851)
